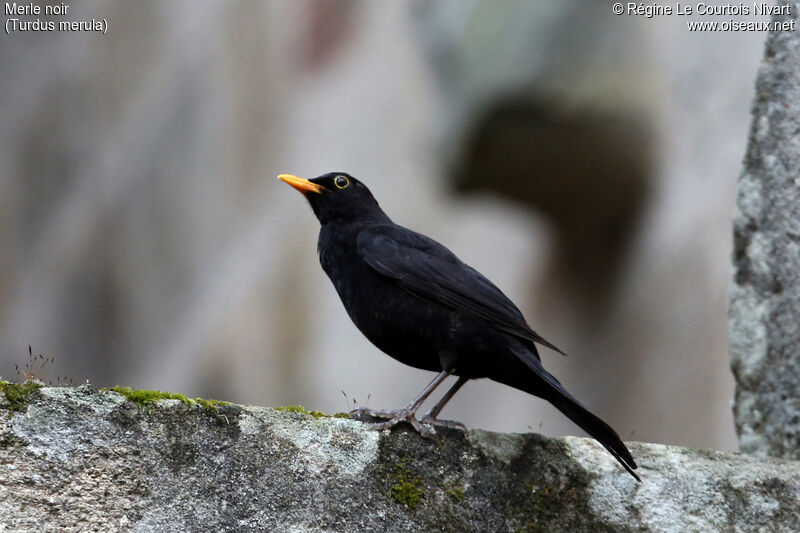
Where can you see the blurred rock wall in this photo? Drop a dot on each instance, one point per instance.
(765, 290)
(146, 242)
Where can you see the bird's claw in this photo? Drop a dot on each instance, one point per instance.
(375, 413)
(407, 416)
(452, 424)
(392, 418)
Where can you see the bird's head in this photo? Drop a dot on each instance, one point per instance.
(336, 196)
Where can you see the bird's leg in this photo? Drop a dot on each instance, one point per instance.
(430, 417)
(407, 414)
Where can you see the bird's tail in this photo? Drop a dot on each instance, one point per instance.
(548, 387)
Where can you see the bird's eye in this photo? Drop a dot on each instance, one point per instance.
(341, 182)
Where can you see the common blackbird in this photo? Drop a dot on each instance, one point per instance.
(419, 303)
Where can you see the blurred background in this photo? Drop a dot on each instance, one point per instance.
(585, 162)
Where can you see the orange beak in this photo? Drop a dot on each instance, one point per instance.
(302, 185)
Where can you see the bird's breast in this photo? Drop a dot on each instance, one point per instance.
(398, 323)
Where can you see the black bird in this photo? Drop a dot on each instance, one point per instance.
(419, 303)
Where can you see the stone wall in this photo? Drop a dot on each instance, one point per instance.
(765, 292)
(82, 459)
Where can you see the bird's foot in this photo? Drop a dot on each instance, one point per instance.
(375, 413)
(392, 419)
(452, 424)
(406, 415)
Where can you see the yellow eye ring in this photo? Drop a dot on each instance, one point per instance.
(341, 182)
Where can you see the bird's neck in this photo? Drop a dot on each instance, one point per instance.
(342, 233)
(369, 217)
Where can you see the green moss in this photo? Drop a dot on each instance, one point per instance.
(146, 398)
(211, 405)
(299, 409)
(406, 488)
(18, 394)
(408, 493)
(456, 493)
(543, 504)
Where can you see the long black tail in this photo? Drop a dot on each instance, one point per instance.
(544, 385)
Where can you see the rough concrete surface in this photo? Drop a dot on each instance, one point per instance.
(765, 292)
(82, 459)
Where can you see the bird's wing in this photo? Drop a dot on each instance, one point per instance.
(430, 271)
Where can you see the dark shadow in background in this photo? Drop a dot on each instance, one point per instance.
(587, 170)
